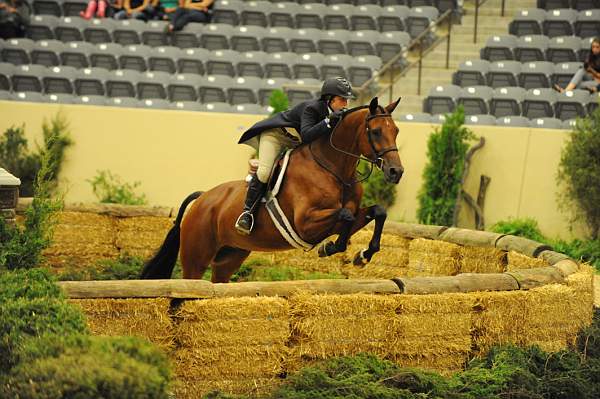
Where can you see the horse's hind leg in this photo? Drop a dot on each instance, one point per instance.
(197, 249)
(226, 262)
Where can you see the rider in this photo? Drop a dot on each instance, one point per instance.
(302, 124)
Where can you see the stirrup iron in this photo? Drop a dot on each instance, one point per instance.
(241, 229)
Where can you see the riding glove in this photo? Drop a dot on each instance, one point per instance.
(335, 117)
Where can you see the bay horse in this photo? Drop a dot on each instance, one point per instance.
(320, 197)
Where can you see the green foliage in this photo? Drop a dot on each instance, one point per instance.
(579, 171)
(446, 151)
(21, 247)
(526, 227)
(16, 157)
(278, 100)
(376, 190)
(109, 189)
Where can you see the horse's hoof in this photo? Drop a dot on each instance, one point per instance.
(326, 249)
(360, 260)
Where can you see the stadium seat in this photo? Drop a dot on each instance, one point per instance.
(47, 8)
(475, 99)
(419, 19)
(333, 42)
(571, 104)
(124, 102)
(389, 44)
(278, 65)
(363, 68)
(503, 73)
(441, 99)
(134, 57)
(255, 13)
(76, 54)
(192, 61)
(58, 80)
(536, 74)
(334, 65)
(33, 97)
(361, 43)
(42, 27)
(268, 86)
(46, 52)
(153, 34)
(482, 119)
(282, 14)
(184, 87)
(61, 98)
(90, 81)
(364, 17)
(222, 62)
(216, 36)
(121, 83)
(26, 78)
(304, 41)
(227, 12)
(244, 91)
(251, 63)
(563, 73)
(16, 51)
(593, 102)
(213, 89)
(188, 36)
(217, 107)
(552, 4)
(106, 55)
(584, 48)
(308, 66)
(99, 30)
(309, 16)
(531, 48)
(513, 121)
(72, 8)
(563, 49)
(247, 38)
(588, 23)
(559, 22)
(187, 106)
(6, 71)
(499, 48)
(539, 103)
(569, 124)
(438, 118)
(152, 85)
(393, 18)
(90, 100)
(69, 29)
(506, 101)
(128, 31)
(275, 40)
(586, 4)
(546, 123)
(527, 22)
(155, 103)
(337, 16)
(421, 117)
(471, 73)
(164, 59)
(253, 109)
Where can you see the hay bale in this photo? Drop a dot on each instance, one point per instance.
(147, 318)
(482, 260)
(433, 258)
(518, 261)
(142, 235)
(391, 261)
(252, 387)
(310, 261)
(230, 338)
(81, 239)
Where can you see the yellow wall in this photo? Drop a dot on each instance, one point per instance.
(173, 153)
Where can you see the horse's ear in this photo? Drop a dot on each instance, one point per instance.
(391, 107)
(373, 106)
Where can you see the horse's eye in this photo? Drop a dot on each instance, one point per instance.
(377, 132)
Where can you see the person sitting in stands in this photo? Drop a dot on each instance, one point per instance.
(136, 9)
(190, 11)
(587, 77)
(166, 9)
(102, 9)
(14, 18)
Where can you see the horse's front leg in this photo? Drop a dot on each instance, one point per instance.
(364, 216)
(347, 220)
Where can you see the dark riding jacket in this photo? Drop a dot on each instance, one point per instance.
(308, 118)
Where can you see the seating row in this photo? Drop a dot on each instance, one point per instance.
(484, 119)
(536, 48)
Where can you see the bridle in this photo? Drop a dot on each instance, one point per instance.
(377, 155)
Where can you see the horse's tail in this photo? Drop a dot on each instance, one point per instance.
(162, 264)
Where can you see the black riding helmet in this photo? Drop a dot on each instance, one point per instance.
(337, 87)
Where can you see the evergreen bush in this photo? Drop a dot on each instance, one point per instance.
(446, 151)
(579, 171)
(278, 100)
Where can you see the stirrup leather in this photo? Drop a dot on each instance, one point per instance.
(241, 228)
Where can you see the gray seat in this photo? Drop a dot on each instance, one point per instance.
(499, 48)
(308, 66)
(481, 119)
(90, 100)
(268, 86)
(16, 51)
(124, 102)
(546, 123)
(333, 41)
(391, 43)
(107, 56)
(6, 71)
(152, 85)
(552, 4)
(584, 49)
(335, 65)
(304, 41)
(244, 91)
(187, 106)
(217, 107)
(419, 19)
(278, 65)
(309, 16)
(282, 14)
(213, 89)
(593, 102)
(536, 74)
(364, 17)
(47, 52)
(513, 121)
(527, 22)
(121, 83)
(442, 99)
(560, 22)
(276, 39)
(563, 49)
(155, 103)
(438, 118)
(475, 99)
(393, 18)
(585, 4)
(41, 27)
(571, 104)
(70, 29)
(251, 63)
(134, 57)
(188, 36)
(531, 48)
(563, 72)
(153, 34)
(72, 8)
(252, 109)
(51, 8)
(471, 73)
(76, 54)
(58, 80)
(61, 98)
(90, 81)
(539, 103)
(193, 61)
(216, 36)
(421, 117)
(164, 59)
(337, 16)
(26, 78)
(227, 12)
(184, 87)
(503, 73)
(506, 101)
(99, 30)
(222, 62)
(588, 23)
(569, 124)
(128, 31)
(362, 69)
(28, 96)
(255, 13)
(247, 38)
(362, 43)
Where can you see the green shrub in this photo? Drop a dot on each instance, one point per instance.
(109, 189)
(579, 171)
(16, 157)
(446, 151)
(278, 100)
(28, 284)
(526, 227)
(376, 190)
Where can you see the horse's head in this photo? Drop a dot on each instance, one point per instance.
(379, 141)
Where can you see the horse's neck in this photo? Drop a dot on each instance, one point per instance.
(346, 139)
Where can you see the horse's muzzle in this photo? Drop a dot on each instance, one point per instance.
(393, 174)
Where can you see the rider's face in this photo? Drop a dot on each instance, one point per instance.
(338, 103)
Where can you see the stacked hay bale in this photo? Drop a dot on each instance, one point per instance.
(82, 238)
(517, 261)
(237, 345)
(433, 258)
(141, 235)
(145, 317)
(478, 252)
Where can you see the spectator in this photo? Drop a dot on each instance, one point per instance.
(190, 11)
(136, 9)
(587, 77)
(101, 8)
(14, 18)
(166, 9)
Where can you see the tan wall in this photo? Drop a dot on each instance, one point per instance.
(174, 153)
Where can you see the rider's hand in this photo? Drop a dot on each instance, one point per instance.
(335, 117)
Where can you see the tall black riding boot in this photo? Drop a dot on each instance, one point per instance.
(245, 221)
